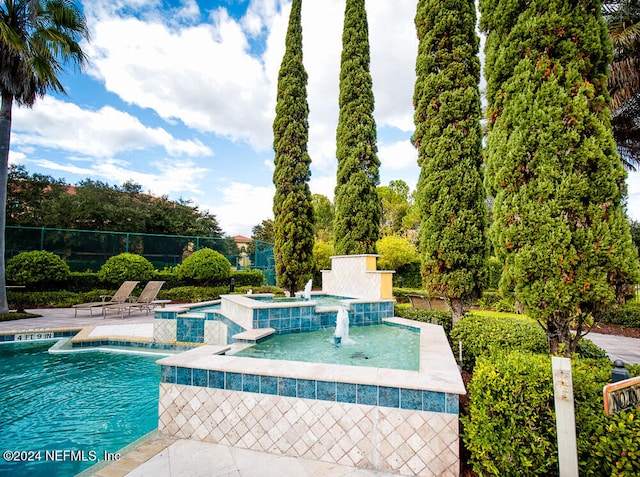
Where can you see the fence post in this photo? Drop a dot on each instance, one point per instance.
(126, 246)
(42, 238)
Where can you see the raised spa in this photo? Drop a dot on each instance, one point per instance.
(403, 421)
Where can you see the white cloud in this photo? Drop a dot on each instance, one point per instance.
(204, 75)
(243, 207)
(168, 177)
(398, 155)
(323, 185)
(633, 202)
(103, 133)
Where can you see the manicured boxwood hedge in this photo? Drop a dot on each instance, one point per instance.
(509, 425)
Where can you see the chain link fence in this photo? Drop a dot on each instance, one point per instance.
(88, 249)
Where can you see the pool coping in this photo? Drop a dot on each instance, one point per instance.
(438, 369)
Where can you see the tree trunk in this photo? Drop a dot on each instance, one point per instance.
(5, 136)
(457, 309)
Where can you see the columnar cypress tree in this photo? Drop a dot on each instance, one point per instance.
(552, 165)
(357, 206)
(448, 138)
(293, 213)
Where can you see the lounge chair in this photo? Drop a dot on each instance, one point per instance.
(419, 302)
(436, 303)
(439, 303)
(146, 301)
(120, 296)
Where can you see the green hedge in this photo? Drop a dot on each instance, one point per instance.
(628, 315)
(205, 267)
(36, 269)
(483, 335)
(126, 266)
(249, 278)
(442, 318)
(509, 426)
(193, 294)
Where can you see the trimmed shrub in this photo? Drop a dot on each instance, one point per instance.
(205, 267)
(82, 282)
(509, 427)
(587, 349)
(194, 294)
(126, 266)
(248, 278)
(36, 268)
(442, 318)
(484, 335)
(489, 300)
(44, 299)
(628, 315)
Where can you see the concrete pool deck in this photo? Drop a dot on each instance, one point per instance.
(164, 456)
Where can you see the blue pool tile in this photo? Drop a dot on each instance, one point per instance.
(306, 388)
(251, 383)
(200, 377)
(287, 387)
(216, 379)
(389, 397)
(367, 395)
(295, 312)
(451, 404)
(233, 381)
(433, 401)
(169, 374)
(326, 391)
(184, 376)
(411, 399)
(296, 324)
(268, 385)
(346, 392)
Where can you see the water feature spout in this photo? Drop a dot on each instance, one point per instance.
(341, 334)
(307, 290)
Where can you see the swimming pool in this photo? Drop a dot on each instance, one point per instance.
(72, 408)
(377, 346)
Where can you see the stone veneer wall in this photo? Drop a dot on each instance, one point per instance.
(387, 439)
(213, 329)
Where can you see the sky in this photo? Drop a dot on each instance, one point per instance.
(179, 97)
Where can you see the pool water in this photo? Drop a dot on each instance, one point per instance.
(378, 346)
(87, 403)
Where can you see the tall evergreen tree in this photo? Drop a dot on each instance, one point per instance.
(357, 205)
(448, 138)
(552, 165)
(292, 209)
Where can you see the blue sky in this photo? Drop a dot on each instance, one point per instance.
(179, 96)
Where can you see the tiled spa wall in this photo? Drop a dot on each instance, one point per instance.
(399, 421)
(216, 328)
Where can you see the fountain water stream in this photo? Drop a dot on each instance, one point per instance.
(341, 334)
(307, 290)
